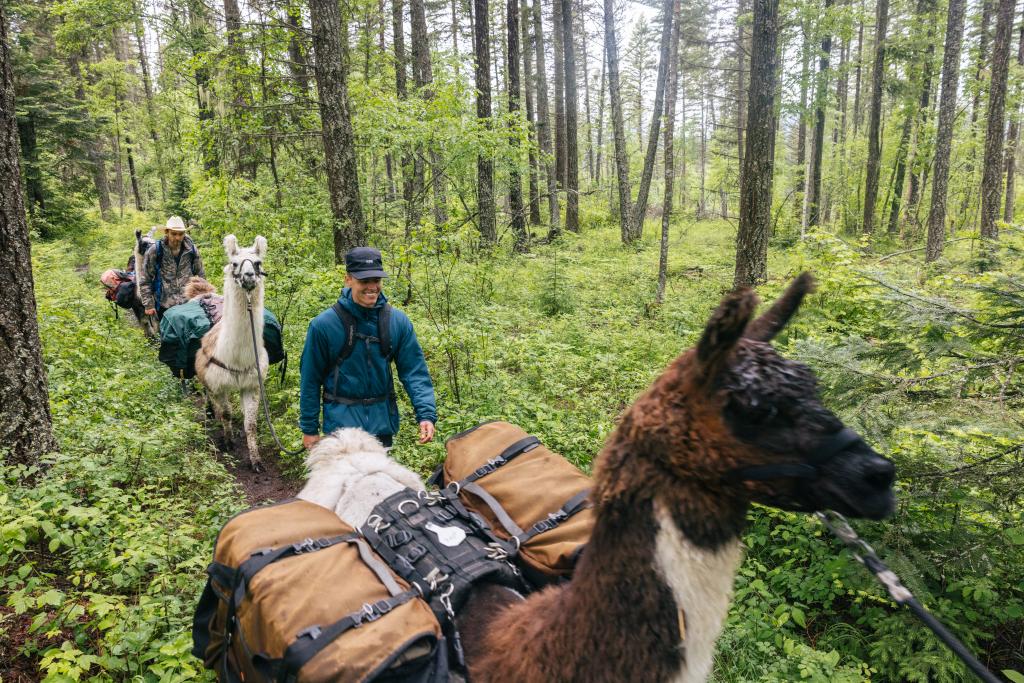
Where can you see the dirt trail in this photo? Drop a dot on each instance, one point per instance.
(270, 485)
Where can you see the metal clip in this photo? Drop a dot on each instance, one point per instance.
(313, 632)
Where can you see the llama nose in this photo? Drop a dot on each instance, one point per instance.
(879, 472)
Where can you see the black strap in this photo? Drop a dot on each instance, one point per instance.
(383, 339)
(310, 641)
(578, 502)
(524, 445)
(830, 447)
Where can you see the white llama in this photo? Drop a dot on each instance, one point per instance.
(350, 472)
(226, 361)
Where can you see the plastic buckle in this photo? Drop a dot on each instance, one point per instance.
(304, 546)
(397, 538)
(383, 607)
(313, 632)
(415, 552)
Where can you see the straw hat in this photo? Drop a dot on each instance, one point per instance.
(175, 223)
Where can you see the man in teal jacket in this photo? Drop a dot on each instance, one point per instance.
(358, 390)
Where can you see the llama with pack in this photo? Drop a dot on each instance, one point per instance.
(123, 285)
(433, 580)
(231, 357)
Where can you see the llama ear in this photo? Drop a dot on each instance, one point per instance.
(260, 245)
(724, 330)
(775, 318)
(230, 245)
(138, 235)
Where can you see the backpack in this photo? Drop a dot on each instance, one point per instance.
(348, 322)
(182, 329)
(272, 610)
(116, 280)
(524, 491)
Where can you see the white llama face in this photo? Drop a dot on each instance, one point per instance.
(245, 264)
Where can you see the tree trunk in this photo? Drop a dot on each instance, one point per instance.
(515, 194)
(241, 97)
(531, 114)
(669, 152)
(1011, 140)
(297, 64)
(640, 208)
(598, 162)
(741, 111)
(423, 75)
(558, 41)
(899, 173)
(133, 177)
(944, 133)
(875, 121)
(25, 426)
(758, 162)
(484, 163)
(801, 136)
(93, 153)
(140, 41)
(331, 69)
(618, 127)
(991, 180)
(979, 68)
(860, 70)
(821, 97)
(582, 29)
(572, 160)
(544, 124)
(917, 165)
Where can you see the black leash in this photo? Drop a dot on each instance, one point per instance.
(259, 376)
(865, 554)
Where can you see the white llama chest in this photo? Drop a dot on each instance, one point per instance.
(701, 582)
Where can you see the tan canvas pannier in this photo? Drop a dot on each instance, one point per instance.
(293, 581)
(525, 491)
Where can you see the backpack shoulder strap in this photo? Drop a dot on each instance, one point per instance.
(157, 281)
(384, 332)
(349, 324)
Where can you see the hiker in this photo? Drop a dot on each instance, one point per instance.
(167, 267)
(346, 362)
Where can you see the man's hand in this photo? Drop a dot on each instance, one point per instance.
(426, 431)
(310, 440)
(150, 311)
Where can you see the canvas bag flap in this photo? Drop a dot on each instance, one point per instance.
(529, 487)
(316, 588)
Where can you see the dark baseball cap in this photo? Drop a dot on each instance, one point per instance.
(363, 263)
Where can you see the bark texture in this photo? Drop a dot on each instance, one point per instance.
(572, 161)
(618, 127)
(944, 133)
(758, 162)
(515, 191)
(992, 173)
(1011, 140)
(25, 426)
(484, 163)
(875, 117)
(331, 69)
(820, 100)
(544, 124)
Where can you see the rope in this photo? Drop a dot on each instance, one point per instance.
(259, 376)
(865, 554)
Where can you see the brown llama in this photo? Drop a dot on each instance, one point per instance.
(727, 424)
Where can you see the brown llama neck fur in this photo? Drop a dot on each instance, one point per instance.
(619, 618)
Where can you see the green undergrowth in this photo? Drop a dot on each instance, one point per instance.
(559, 340)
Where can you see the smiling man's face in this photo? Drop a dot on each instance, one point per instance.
(364, 292)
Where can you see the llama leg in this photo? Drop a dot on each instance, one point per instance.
(250, 411)
(222, 411)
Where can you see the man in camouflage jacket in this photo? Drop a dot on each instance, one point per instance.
(167, 267)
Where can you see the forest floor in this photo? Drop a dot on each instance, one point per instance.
(272, 484)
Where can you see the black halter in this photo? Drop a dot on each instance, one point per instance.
(236, 268)
(830, 447)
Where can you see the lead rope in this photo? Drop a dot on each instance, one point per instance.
(259, 376)
(865, 554)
